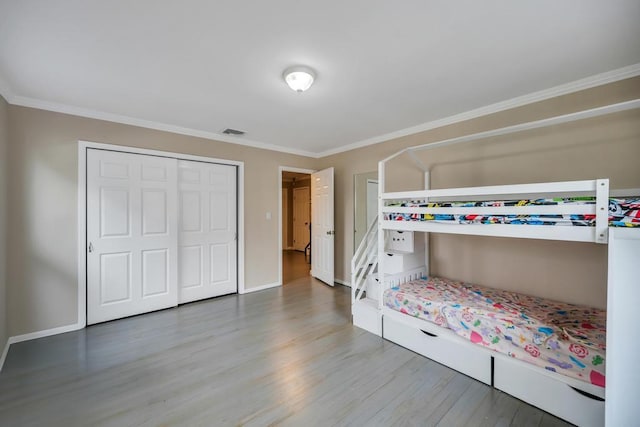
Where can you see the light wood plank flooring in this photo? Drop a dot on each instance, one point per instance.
(283, 356)
(294, 266)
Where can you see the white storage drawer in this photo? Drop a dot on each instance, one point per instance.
(432, 343)
(545, 392)
(373, 286)
(397, 262)
(405, 241)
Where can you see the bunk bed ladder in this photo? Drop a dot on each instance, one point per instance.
(364, 262)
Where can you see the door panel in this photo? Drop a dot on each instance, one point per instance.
(154, 272)
(220, 263)
(301, 217)
(115, 277)
(208, 246)
(190, 211)
(132, 234)
(190, 266)
(114, 212)
(219, 211)
(154, 212)
(322, 226)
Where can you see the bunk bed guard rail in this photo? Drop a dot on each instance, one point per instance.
(424, 202)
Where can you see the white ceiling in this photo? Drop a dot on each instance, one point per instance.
(384, 68)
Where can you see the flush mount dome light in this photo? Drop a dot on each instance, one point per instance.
(299, 78)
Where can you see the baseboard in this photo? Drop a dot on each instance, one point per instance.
(342, 282)
(38, 334)
(262, 287)
(4, 354)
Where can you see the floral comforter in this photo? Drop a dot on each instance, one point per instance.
(560, 337)
(622, 212)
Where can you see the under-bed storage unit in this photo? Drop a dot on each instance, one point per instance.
(582, 211)
(438, 344)
(549, 392)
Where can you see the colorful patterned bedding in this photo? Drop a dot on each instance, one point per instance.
(564, 338)
(622, 212)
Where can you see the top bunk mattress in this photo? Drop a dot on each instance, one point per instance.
(560, 337)
(623, 212)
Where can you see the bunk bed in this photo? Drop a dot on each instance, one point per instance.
(551, 354)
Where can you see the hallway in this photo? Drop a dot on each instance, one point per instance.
(294, 266)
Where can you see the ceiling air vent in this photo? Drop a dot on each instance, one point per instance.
(235, 132)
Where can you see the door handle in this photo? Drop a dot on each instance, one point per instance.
(331, 233)
(90, 247)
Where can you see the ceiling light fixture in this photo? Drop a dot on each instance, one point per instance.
(299, 77)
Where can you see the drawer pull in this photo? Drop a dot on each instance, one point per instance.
(429, 333)
(389, 254)
(589, 395)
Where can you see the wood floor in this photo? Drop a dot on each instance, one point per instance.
(283, 356)
(294, 266)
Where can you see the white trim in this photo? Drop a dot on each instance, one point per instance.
(342, 282)
(7, 94)
(82, 232)
(4, 354)
(82, 214)
(262, 287)
(280, 170)
(563, 89)
(152, 152)
(240, 227)
(38, 334)
(150, 124)
(45, 333)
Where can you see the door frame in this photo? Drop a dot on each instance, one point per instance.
(83, 146)
(280, 248)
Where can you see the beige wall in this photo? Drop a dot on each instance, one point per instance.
(42, 263)
(604, 147)
(42, 278)
(4, 184)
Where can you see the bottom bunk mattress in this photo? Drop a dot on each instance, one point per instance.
(560, 337)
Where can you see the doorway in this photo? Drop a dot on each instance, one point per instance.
(296, 224)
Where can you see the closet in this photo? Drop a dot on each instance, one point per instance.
(160, 231)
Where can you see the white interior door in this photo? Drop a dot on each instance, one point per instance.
(301, 217)
(132, 262)
(322, 241)
(208, 226)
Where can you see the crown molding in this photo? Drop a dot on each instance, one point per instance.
(564, 89)
(5, 90)
(23, 101)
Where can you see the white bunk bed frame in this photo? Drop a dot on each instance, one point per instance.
(576, 401)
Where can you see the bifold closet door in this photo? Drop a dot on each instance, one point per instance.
(208, 225)
(132, 234)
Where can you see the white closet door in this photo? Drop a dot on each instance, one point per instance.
(132, 262)
(208, 213)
